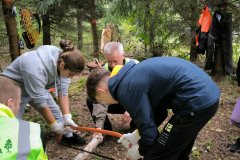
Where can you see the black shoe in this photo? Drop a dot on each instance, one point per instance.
(235, 147)
(74, 140)
(105, 138)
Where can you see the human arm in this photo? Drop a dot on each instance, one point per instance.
(138, 105)
(62, 88)
(47, 114)
(58, 127)
(99, 113)
(126, 119)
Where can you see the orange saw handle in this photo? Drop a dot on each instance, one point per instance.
(111, 133)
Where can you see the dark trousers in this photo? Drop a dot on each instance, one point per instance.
(113, 109)
(177, 137)
(223, 30)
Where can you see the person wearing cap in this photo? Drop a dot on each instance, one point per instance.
(19, 139)
(39, 70)
(144, 89)
(115, 55)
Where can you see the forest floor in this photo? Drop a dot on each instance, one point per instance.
(212, 142)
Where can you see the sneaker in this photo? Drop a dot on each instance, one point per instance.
(105, 138)
(235, 147)
(74, 140)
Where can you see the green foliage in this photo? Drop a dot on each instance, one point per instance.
(82, 82)
(209, 145)
(74, 113)
(44, 4)
(196, 153)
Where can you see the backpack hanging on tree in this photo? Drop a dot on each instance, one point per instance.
(30, 35)
(202, 30)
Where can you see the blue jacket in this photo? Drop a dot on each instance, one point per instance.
(156, 83)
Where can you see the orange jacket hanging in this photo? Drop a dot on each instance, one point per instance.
(202, 30)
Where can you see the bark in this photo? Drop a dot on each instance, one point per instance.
(46, 30)
(193, 55)
(80, 28)
(218, 66)
(93, 144)
(94, 28)
(11, 26)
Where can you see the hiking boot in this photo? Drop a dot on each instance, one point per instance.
(105, 138)
(74, 140)
(235, 147)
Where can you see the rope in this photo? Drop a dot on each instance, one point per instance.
(87, 151)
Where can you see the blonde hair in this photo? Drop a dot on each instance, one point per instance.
(8, 89)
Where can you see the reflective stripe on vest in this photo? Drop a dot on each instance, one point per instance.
(20, 139)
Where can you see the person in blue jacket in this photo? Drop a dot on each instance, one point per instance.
(157, 83)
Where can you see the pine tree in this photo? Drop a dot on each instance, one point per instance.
(8, 144)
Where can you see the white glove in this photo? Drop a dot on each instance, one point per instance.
(134, 152)
(68, 120)
(132, 138)
(59, 128)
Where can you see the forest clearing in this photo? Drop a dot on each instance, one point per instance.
(71, 63)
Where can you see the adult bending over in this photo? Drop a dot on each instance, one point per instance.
(145, 89)
(39, 70)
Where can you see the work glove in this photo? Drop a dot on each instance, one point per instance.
(132, 138)
(59, 128)
(134, 152)
(68, 120)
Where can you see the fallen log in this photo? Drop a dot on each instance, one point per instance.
(93, 144)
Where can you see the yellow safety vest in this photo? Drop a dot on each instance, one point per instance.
(19, 139)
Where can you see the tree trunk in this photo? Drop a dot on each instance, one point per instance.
(145, 23)
(80, 28)
(46, 30)
(218, 66)
(11, 26)
(94, 28)
(193, 55)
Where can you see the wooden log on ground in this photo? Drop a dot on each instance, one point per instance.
(93, 144)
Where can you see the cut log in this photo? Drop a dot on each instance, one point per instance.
(93, 144)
